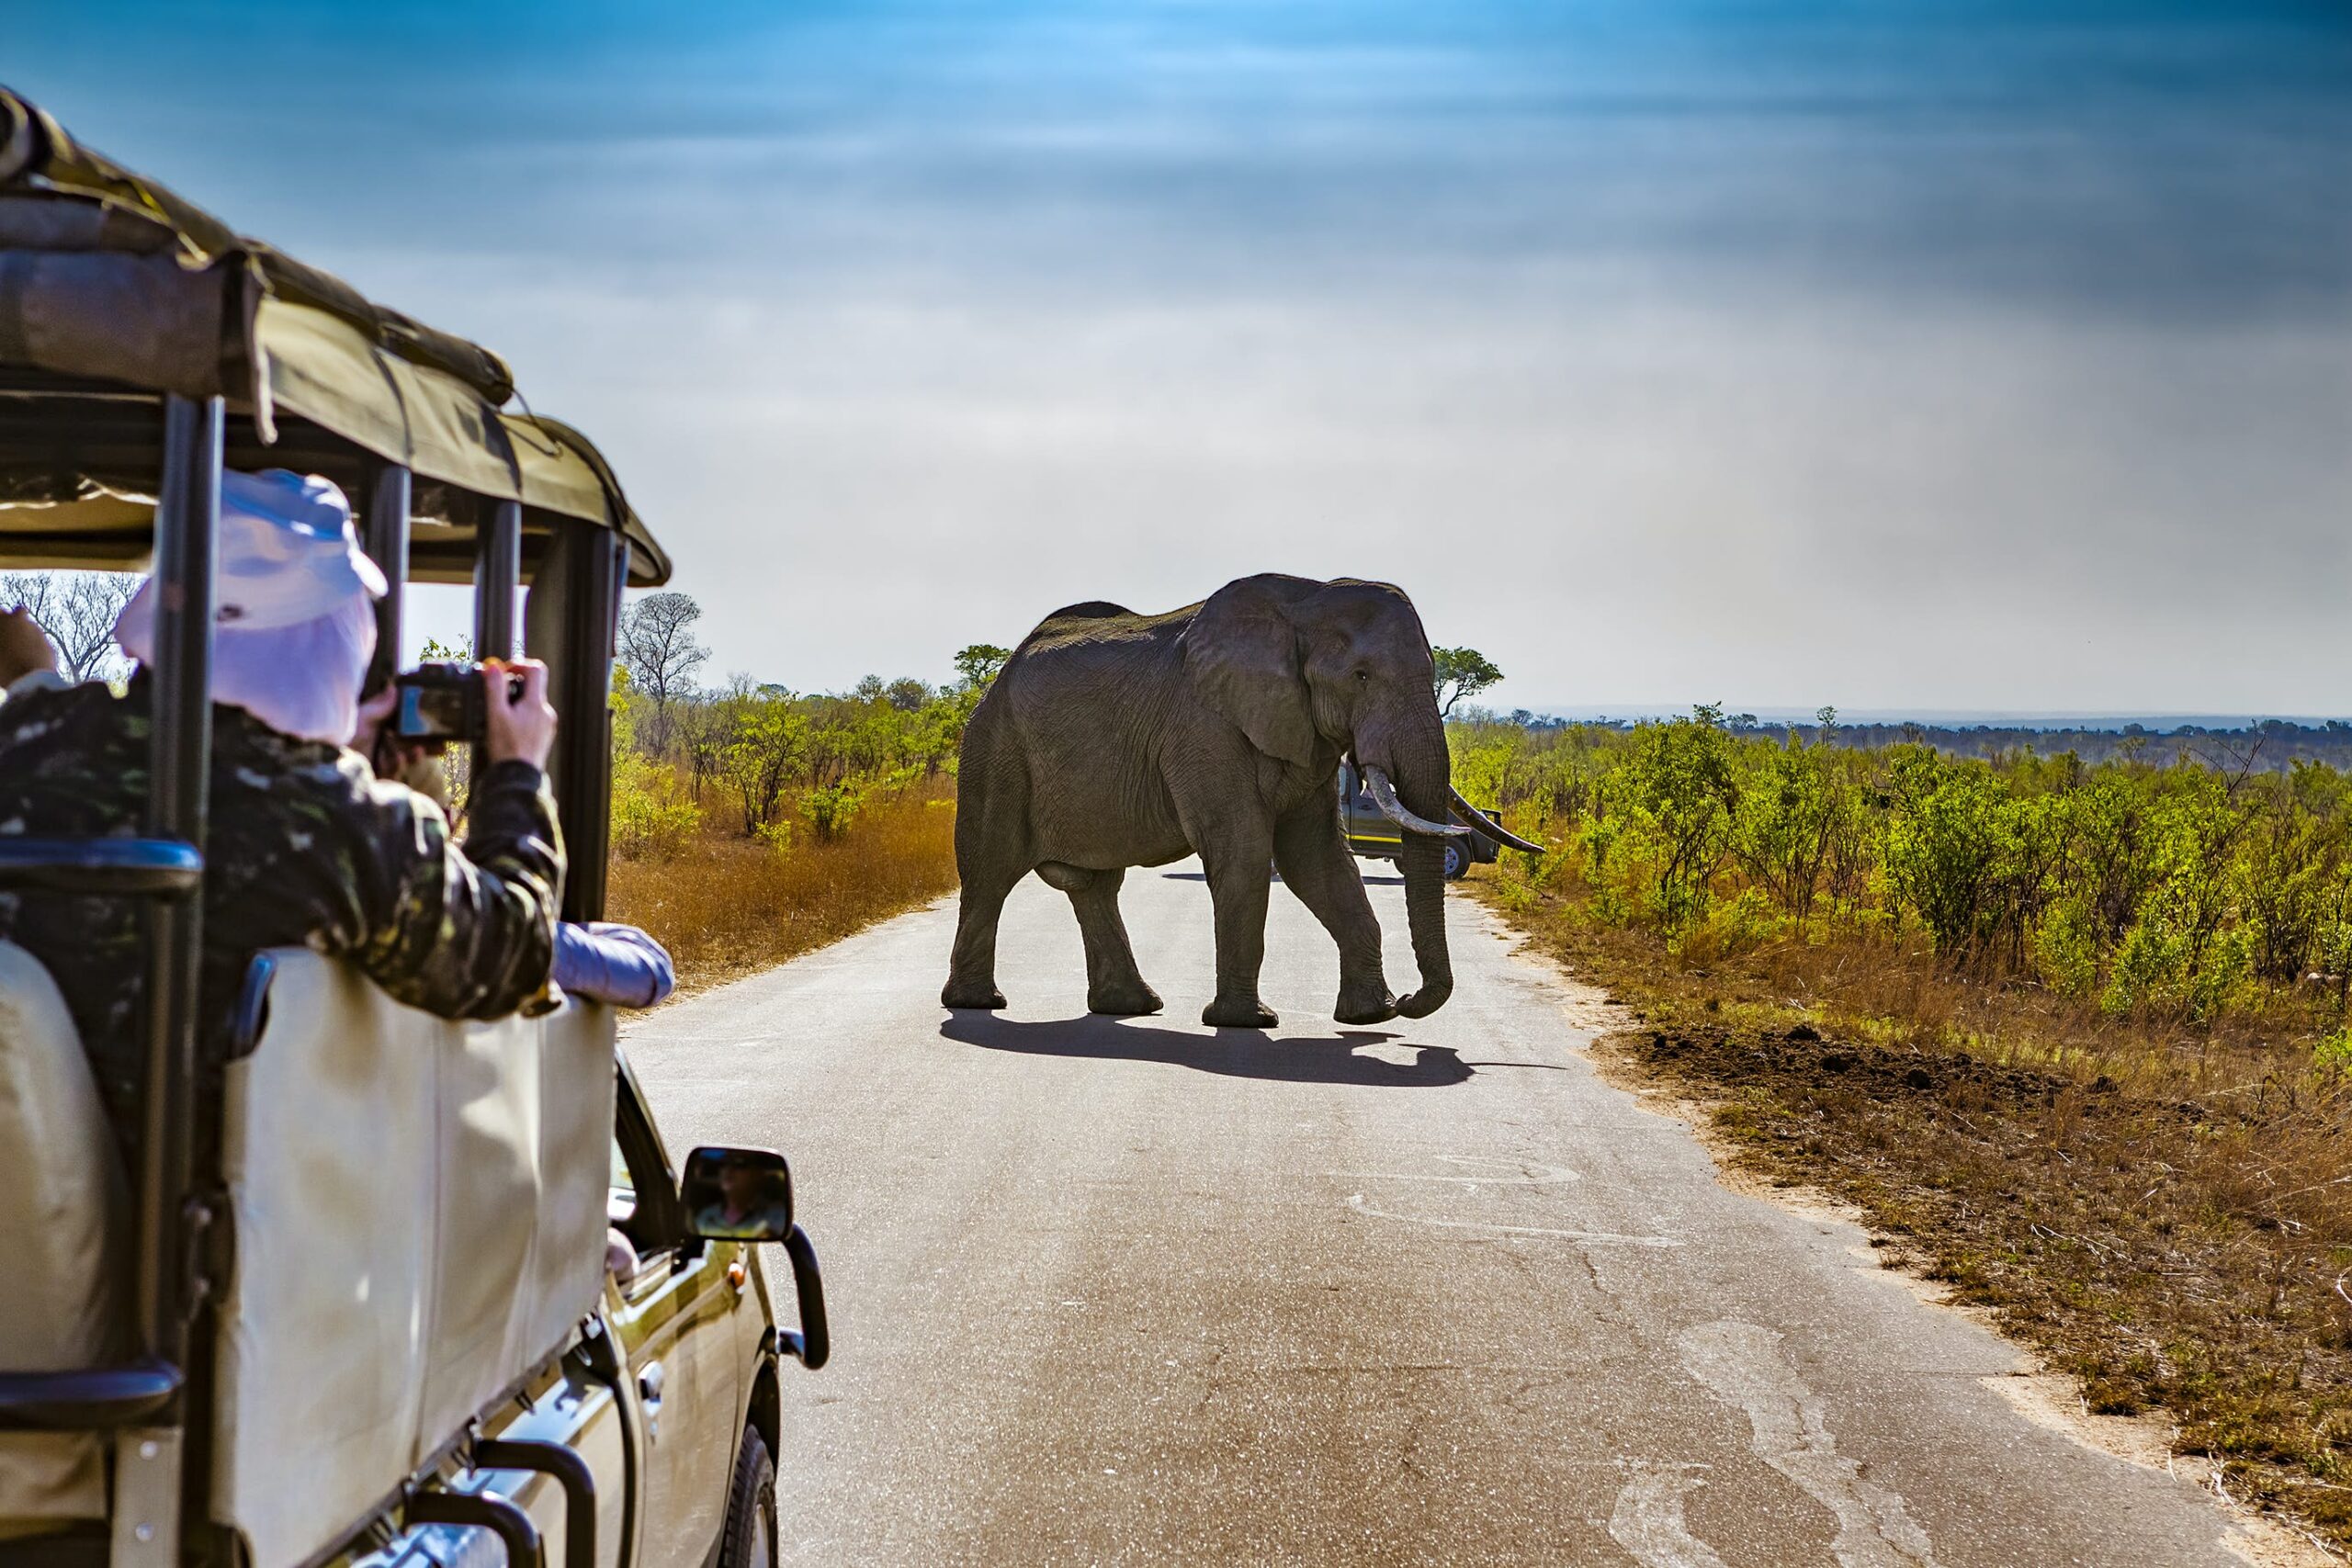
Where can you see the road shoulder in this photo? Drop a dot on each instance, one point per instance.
(1622, 1050)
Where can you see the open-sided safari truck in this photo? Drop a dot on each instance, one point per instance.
(356, 1306)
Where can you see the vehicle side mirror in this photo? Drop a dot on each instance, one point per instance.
(737, 1195)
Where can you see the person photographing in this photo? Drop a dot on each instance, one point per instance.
(306, 846)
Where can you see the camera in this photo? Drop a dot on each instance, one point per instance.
(445, 701)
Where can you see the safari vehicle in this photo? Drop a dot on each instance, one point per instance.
(354, 1305)
(1373, 836)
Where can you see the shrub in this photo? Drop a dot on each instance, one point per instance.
(2333, 1054)
(2065, 950)
(653, 818)
(1943, 843)
(829, 809)
(650, 820)
(1677, 792)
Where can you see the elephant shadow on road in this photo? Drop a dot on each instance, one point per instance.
(1234, 1053)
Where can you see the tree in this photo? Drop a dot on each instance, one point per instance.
(76, 611)
(908, 694)
(761, 743)
(661, 654)
(1466, 669)
(979, 664)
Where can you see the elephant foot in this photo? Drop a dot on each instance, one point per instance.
(1134, 1000)
(962, 994)
(1374, 1008)
(1241, 1012)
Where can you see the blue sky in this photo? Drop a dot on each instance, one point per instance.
(1911, 356)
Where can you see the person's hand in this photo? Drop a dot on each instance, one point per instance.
(520, 729)
(23, 646)
(375, 714)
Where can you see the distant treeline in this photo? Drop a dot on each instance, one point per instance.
(2270, 744)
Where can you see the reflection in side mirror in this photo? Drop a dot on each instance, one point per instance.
(738, 1194)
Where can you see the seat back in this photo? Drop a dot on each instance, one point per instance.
(419, 1220)
(64, 1233)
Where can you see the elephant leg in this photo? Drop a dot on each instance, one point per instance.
(971, 968)
(1237, 887)
(1316, 864)
(992, 857)
(1114, 983)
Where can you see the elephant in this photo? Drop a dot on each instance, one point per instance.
(1112, 740)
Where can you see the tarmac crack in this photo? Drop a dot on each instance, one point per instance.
(1648, 1520)
(1743, 1365)
(1619, 1238)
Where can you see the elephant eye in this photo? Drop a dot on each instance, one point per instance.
(1363, 674)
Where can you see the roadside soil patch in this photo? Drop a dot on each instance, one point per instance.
(2179, 1254)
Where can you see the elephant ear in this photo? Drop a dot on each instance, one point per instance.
(1242, 653)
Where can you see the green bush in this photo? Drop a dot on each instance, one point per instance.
(651, 818)
(830, 808)
(649, 821)
(1677, 794)
(2333, 1054)
(2066, 950)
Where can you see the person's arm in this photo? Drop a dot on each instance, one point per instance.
(465, 932)
(612, 962)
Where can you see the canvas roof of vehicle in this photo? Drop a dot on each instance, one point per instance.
(114, 291)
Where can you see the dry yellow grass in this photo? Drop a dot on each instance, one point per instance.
(726, 907)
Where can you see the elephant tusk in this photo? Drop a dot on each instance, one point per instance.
(1384, 796)
(1492, 828)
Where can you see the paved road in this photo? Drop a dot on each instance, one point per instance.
(1139, 1292)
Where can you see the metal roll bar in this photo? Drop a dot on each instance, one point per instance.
(569, 1471)
(143, 1403)
(101, 867)
(510, 1524)
(498, 573)
(571, 620)
(97, 1400)
(390, 497)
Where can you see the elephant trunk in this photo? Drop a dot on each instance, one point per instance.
(1423, 783)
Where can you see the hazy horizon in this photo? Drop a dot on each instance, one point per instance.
(1987, 358)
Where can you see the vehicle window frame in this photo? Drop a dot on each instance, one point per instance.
(659, 1221)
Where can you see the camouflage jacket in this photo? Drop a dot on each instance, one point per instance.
(305, 846)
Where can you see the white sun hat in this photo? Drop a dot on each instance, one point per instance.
(294, 623)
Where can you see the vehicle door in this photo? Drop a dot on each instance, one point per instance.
(675, 1323)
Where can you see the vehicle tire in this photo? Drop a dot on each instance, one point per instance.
(750, 1539)
(1457, 858)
